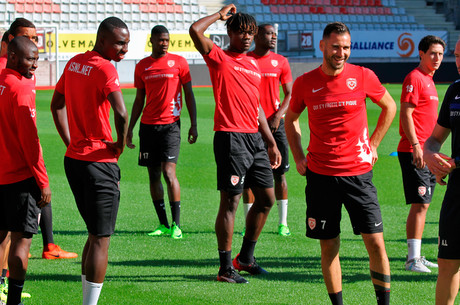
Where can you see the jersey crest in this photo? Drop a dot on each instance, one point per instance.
(422, 190)
(274, 62)
(311, 223)
(234, 180)
(171, 63)
(351, 83)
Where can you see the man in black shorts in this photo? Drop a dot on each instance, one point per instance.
(87, 89)
(239, 151)
(340, 157)
(442, 165)
(419, 110)
(159, 80)
(24, 184)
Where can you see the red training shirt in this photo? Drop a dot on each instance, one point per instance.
(20, 150)
(339, 136)
(274, 69)
(162, 78)
(235, 80)
(419, 90)
(86, 82)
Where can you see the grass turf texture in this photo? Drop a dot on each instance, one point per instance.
(159, 270)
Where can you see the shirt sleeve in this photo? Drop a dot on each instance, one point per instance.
(297, 103)
(411, 90)
(184, 73)
(110, 79)
(286, 75)
(444, 112)
(138, 81)
(215, 57)
(25, 115)
(372, 85)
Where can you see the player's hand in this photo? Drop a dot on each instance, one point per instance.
(375, 155)
(274, 156)
(227, 11)
(45, 197)
(274, 123)
(440, 180)
(192, 134)
(129, 139)
(116, 147)
(301, 167)
(439, 164)
(418, 157)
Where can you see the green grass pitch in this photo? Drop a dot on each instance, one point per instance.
(147, 270)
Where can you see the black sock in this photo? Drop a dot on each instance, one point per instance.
(336, 298)
(161, 212)
(175, 212)
(225, 258)
(383, 297)
(14, 291)
(46, 225)
(247, 251)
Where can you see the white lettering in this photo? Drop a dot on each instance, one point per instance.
(254, 73)
(1, 89)
(77, 68)
(159, 76)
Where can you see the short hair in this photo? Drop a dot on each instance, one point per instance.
(20, 23)
(109, 24)
(19, 45)
(5, 37)
(335, 27)
(158, 30)
(427, 41)
(241, 22)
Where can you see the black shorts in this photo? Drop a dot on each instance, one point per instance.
(18, 206)
(325, 196)
(95, 186)
(242, 162)
(449, 220)
(159, 143)
(283, 147)
(418, 183)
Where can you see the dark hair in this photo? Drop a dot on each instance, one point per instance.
(241, 22)
(5, 37)
(335, 27)
(19, 45)
(20, 23)
(159, 29)
(427, 41)
(109, 24)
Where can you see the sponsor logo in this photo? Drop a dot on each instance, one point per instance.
(171, 63)
(253, 62)
(457, 97)
(351, 83)
(316, 90)
(378, 224)
(422, 190)
(171, 157)
(406, 44)
(311, 223)
(234, 180)
(274, 62)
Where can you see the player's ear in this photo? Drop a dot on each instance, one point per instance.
(321, 45)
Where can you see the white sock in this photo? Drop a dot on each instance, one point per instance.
(92, 292)
(83, 284)
(414, 247)
(282, 211)
(247, 207)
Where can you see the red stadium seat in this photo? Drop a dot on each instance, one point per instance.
(358, 10)
(387, 11)
(273, 2)
(56, 8)
(342, 2)
(47, 8)
(21, 1)
(38, 8)
(351, 10)
(265, 2)
(380, 11)
(29, 8)
(305, 9)
(366, 10)
(372, 11)
(378, 3)
(313, 9)
(321, 10)
(319, 2)
(169, 8)
(311, 2)
(343, 10)
(298, 9)
(296, 2)
(282, 9)
(328, 10)
(349, 3)
(335, 2)
(161, 8)
(327, 2)
(274, 9)
(289, 2)
(48, 1)
(178, 9)
(335, 10)
(356, 2)
(19, 7)
(281, 2)
(370, 2)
